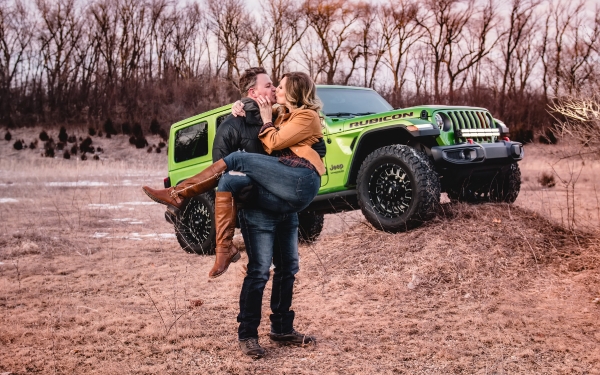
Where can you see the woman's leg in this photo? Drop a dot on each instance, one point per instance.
(235, 182)
(195, 185)
(226, 252)
(297, 186)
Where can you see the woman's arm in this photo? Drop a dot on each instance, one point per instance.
(298, 129)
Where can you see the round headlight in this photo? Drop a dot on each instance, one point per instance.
(439, 121)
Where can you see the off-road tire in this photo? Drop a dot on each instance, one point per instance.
(194, 225)
(504, 186)
(397, 188)
(310, 225)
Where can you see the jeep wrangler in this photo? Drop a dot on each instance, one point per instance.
(391, 163)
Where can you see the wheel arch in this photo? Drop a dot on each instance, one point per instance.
(373, 139)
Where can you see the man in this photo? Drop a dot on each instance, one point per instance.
(268, 236)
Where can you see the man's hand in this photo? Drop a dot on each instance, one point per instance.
(238, 109)
(266, 109)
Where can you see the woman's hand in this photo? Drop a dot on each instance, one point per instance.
(266, 109)
(238, 109)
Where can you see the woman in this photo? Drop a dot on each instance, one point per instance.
(287, 181)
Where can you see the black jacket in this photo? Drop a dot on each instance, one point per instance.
(241, 133)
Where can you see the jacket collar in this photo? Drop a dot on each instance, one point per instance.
(252, 111)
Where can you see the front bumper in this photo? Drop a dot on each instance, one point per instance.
(478, 153)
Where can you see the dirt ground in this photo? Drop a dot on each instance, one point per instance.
(92, 280)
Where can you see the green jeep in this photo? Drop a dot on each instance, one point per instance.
(391, 163)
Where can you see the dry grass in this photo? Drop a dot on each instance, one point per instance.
(92, 281)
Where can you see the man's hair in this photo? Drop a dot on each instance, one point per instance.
(248, 79)
(301, 92)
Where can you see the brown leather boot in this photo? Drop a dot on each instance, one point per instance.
(225, 211)
(195, 185)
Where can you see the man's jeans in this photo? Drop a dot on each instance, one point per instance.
(281, 188)
(268, 236)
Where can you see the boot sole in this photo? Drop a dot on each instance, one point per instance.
(175, 210)
(235, 258)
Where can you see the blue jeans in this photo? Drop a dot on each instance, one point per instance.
(268, 237)
(281, 188)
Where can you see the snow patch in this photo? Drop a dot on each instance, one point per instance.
(139, 203)
(8, 200)
(77, 184)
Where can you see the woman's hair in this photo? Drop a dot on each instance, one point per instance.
(301, 92)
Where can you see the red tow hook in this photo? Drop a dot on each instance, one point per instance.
(470, 141)
(506, 139)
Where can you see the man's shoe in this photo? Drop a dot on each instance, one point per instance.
(292, 338)
(252, 348)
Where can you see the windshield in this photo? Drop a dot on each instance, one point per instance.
(351, 102)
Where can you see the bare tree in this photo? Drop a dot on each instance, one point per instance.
(331, 20)
(468, 44)
(189, 40)
(369, 42)
(59, 36)
(519, 31)
(229, 24)
(443, 24)
(15, 36)
(400, 32)
(287, 29)
(565, 43)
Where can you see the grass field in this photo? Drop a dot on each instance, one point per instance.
(92, 280)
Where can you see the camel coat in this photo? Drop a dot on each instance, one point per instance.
(298, 130)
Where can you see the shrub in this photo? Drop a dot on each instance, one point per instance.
(74, 149)
(96, 157)
(163, 134)
(18, 145)
(43, 136)
(154, 126)
(137, 130)
(99, 149)
(49, 145)
(49, 152)
(86, 145)
(158, 150)
(150, 149)
(62, 135)
(7, 136)
(60, 146)
(548, 138)
(547, 180)
(109, 128)
(91, 131)
(141, 142)
(132, 140)
(126, 128)
(33, 144)
(83, 157)
(67, 155)
(72, 139)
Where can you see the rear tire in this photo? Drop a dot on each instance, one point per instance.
(397, 188)
(310, 225)
(194, 225)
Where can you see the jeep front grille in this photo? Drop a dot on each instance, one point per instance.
(476, 125)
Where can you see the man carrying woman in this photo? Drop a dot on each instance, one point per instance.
(286, 182)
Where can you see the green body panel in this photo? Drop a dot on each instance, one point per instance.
(188, 168)
(342, 136)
